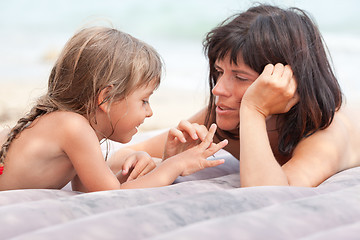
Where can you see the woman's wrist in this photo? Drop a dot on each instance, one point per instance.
(247, 109)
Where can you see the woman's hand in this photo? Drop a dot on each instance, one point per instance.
(273, 92)
(195, 158)
(186, 135)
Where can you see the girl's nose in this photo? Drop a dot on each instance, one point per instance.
(149, 111)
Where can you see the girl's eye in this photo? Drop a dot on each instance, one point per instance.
(145, 101)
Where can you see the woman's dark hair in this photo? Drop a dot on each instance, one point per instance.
(267, 34)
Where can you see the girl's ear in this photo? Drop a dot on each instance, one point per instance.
(103, 98)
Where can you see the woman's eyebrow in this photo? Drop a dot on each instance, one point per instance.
(242, 72)
(217, 66)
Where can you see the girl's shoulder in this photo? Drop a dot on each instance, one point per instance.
(63, 121)
(63, 117)
(66, 127)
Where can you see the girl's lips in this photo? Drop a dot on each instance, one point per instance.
(137, 127)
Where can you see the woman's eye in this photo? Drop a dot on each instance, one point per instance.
(241, 78)
(219, 72)
(145, 101)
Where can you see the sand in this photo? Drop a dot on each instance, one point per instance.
(169, 105)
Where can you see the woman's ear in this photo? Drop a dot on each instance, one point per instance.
(103, 98)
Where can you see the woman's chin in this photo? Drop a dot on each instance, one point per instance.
(227, 126)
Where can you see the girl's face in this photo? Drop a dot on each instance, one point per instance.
(230, 87)
(128, 114)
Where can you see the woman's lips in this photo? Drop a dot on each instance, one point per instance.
(224, 110)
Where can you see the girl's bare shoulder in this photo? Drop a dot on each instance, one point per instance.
(63, 119)
(62, 123)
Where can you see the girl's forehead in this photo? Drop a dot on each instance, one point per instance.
(148, 88)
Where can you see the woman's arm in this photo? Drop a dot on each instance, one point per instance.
(314, 159)
(272, 93)
(258, 165)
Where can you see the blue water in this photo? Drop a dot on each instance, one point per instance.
(32, 32)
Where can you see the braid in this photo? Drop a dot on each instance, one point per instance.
(41, 108)
(92, 60)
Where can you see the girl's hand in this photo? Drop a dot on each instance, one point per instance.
(273, 92)
(195, 158)
(136, 165)
(186, 135)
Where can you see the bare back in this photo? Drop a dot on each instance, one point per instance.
(36, 159)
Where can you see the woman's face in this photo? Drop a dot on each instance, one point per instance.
(230, 87)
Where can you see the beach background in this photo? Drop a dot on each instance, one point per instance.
(34, 32)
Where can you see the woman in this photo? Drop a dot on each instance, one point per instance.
(275, 98)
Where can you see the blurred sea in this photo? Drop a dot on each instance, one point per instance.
(33, 32)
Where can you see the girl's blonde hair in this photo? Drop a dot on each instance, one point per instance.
(93, 59)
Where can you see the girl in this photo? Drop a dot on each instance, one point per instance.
(274, 95)
(98, 89)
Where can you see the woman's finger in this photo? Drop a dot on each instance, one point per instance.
(288, 73)
(294, 100)
(201, 131)
(293, 85)
(176, 133)
(186, 126)
(278, 71)
(268, 69)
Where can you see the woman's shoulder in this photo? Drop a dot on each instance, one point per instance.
(341, 137)
(346, 121)
(199, 117)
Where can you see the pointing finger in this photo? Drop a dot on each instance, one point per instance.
(209, 137)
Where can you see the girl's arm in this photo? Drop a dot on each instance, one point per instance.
(185, 163)
(81, 145)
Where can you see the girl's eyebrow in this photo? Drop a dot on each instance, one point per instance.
(149, 93)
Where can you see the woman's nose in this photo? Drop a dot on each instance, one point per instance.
(222, 87)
